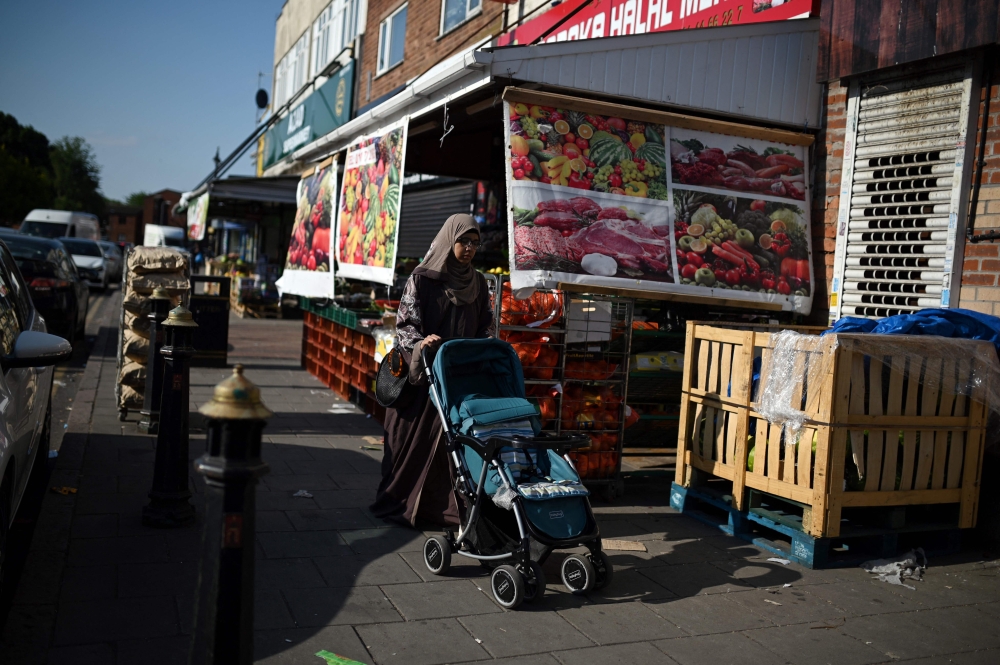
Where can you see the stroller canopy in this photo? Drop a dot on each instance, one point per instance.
(466, 371)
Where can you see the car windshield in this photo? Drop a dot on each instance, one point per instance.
(35, 268)
(44, 229)
(110, 251)
(81, 247)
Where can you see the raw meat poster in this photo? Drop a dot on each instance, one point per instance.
(308, 266)
(615, 202)
(370, 199)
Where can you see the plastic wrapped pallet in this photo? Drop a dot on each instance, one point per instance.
(138, 303)
(144, 284)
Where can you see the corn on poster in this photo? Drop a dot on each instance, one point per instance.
(308, 267)
(370, 199)
(599, 198)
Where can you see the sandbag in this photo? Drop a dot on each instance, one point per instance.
(144, 284)
(135, 347)
(142, 260)
(137, 324)
(138, 303)
(130, 398)
(132, 374)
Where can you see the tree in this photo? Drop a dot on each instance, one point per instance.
(25, 170)
(77, 177)
(136, 199)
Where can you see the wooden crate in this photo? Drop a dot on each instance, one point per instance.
(923, 446)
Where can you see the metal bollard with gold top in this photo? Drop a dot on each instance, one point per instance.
(159, 303)
(231, 465)
(169, 499)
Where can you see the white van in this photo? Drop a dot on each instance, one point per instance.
(61, 224)
(156, 235)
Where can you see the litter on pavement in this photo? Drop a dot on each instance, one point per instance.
(624, 546)
(904, 567)
(334, 659)
(304, 494)
(64, 490)
(783, 562)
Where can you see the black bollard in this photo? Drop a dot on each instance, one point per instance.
(223, 613)
(159, 304)
(169, 504)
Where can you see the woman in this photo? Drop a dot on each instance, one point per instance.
(444, 298)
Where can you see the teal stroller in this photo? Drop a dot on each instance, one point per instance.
(522, 495)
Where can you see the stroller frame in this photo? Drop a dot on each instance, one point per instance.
(582, 573)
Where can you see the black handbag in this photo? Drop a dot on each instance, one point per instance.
(392, 378)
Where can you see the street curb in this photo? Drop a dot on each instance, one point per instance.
(30, 624)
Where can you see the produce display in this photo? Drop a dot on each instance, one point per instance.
(771, 171)
(586, 151)
(726, 242)
(309, 247)
(369, 206)
(592, 235)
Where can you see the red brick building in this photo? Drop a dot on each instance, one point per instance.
(125, 224)
(914, 88)
(158, 209)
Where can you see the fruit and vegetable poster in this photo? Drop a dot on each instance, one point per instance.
(308, 268)
(617, 202)
(197, 217)
(370, 199)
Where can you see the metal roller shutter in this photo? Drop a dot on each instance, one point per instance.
(425, 210)
(901, 202)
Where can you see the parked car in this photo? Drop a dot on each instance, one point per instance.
(89, 260)
(113, 259)
(61, 224)
(27, 354)
(59, 294)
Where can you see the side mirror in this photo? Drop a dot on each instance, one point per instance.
(37, 349)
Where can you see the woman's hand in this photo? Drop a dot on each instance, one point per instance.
(431, 342)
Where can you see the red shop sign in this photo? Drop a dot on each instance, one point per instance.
(610, 18)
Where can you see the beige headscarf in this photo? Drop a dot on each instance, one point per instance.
(461, 280)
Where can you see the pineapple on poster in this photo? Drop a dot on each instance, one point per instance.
(308, 270)
(370, 199)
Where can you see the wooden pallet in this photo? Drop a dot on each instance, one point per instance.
(773, 528)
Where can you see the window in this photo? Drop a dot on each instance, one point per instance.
(333, 30)
(292, 71)
(10, 318)
(457, 12)
(391, 40)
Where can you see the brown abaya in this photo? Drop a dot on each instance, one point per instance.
(416, 477)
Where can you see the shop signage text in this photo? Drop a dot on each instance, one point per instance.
(319, 114)
(611, 18)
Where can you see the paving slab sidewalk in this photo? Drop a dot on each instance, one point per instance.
(101, 588)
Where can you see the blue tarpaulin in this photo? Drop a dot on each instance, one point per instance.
(961, 323)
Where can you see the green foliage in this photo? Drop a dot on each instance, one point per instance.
(25, 170)
(77, 177)
(136, 199)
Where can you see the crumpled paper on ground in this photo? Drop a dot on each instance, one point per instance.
(904, 567)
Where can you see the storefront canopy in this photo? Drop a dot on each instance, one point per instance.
(753, 73)
(279, 189)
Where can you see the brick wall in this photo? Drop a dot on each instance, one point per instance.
(828, 156)
(424, 47)
(981, 268)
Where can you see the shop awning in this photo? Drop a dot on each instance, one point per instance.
(279, 189)
(762, 72)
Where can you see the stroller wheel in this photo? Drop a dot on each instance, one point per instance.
(508, 586)
(437, 555)
(603, 569)
(534, 583)
(578, 574)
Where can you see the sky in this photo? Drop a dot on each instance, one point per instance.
(154, 87)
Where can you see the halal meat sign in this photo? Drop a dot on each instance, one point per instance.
(612, 18)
